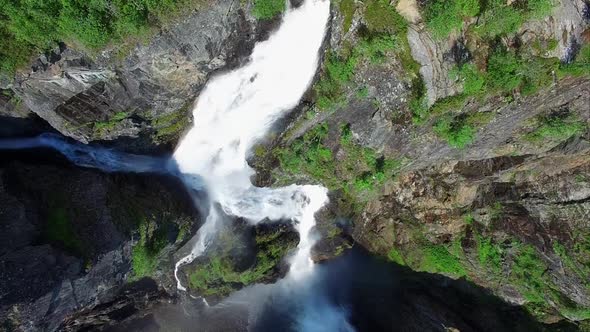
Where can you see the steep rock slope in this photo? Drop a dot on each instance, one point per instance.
(451, 171)
(143, 100)
(72, 237)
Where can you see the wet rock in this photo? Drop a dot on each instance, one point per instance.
(68, 235)
(240, 255)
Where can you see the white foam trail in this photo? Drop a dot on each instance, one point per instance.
(238, 108)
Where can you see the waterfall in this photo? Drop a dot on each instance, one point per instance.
(107, 160)
(235, 110)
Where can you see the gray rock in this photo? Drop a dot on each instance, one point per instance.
(103, 98)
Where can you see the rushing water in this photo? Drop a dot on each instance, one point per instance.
(234, 111)
(107, 160)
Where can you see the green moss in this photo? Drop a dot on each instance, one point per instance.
(30, 27)
(381, 17)
(489, 253)
(102, 128)
(444, 16)
(362, 93)
(438, 259)
(267, 9)
(144, 255)
(219, 276)
(171, 125)
(528, 273)
(396, 256)
(557, 126)
(59, 231)
(347, 8)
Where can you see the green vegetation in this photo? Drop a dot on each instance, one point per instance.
(556, 126)
(528, 273)
(102, 128)
(395, 255)
(219, 275)
(347, 8)
(59, 231)
(381, 17)
(171, 125)
(460, 131)
(438, 259)
(360, 172)
(489, 253)
(473, 80)
(495, 17)
(455, 131)
(144, 256)
(330, 88)
(267, 9)
(34, 26)
(443, 16)
(580, 66)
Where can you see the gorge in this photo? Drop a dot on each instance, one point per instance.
(297, 165)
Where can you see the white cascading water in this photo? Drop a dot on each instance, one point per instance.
(234, 111)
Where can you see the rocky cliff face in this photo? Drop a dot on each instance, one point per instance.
(488, 187)
(144, 99)
(491, 186)
(71, 238)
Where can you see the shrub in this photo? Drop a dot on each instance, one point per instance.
(539, 8)
(438, 259)
(503, 71)
(456, 131)
(500, 20)
(33, 26)
(381, 17)
(556, 127)
(443, 17)
(473, 80)
(267, 9)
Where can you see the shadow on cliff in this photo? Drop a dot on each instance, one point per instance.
(369, 293)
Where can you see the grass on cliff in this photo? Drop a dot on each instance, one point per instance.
(35, 26)
(460, 131)
(359, 171)
(144, 255)
(557, 126)
(102, 128)
(219, 275)
(384, 35)
(444, 17)
(267, 9)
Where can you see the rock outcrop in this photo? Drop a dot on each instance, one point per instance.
(71, 238)
(144, 100)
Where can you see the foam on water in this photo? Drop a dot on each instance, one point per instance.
(234, 111)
